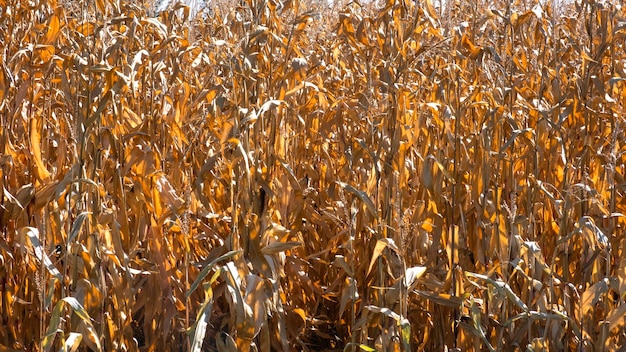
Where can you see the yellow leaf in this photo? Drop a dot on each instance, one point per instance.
(33, 235)
(42, 173)
(44, 52)
(53, 30)
(616, 317)
(412, 274)
(277, 247)
(586, 56)
(453, 257)
(300, 312)
(378, 250)
(101, 6)
(443, 299)
(430, 9)
(85, 28)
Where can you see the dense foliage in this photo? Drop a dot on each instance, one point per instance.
(295, 176)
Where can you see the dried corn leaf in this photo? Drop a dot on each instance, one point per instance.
(198, 330)
(43, 175)
(615, 317)
(89, 335)
(378, 250)
(277, 247)
(208, 268)
(362, 196)
(443, 299)
(33, 236)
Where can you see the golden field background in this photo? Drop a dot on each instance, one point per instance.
(297, 176)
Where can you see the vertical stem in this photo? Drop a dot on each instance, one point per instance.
(353, 288)
(452, 226)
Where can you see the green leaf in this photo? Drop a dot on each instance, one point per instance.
(92, 338)
(55, 318)
(52, 330)
(198, 330)
(405, 328)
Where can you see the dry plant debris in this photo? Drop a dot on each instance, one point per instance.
(285, 175)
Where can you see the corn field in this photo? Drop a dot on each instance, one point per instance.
(296, 175)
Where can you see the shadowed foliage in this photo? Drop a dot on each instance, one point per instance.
(267, 175)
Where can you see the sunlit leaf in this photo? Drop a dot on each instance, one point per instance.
(277, 247)
(362, 196)
(33, 236)
(208, 268)
(72, 342)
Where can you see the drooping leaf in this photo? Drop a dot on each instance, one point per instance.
(208, 268)
(362, 196)
(33, 236)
